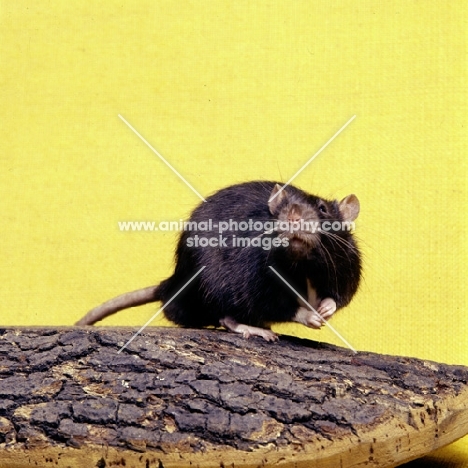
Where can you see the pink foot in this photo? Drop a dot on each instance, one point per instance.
(327, 307)
(246, 330)
(308, 317)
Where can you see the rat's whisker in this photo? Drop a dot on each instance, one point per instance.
(348, 250)
(340, 242)
(324, 249)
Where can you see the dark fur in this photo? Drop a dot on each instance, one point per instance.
(238, 282)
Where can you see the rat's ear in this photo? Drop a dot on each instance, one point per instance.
(349, 208)
(276, 197)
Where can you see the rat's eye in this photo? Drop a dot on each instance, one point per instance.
(322, 208)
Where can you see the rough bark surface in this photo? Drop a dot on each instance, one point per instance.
(180, 398)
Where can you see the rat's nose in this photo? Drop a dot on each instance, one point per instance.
(294, 214)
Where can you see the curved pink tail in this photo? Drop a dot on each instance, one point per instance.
(124, 301)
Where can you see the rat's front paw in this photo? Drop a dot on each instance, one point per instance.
(327, 307)
(307, 317)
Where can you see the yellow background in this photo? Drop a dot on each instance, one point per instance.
(230, 92)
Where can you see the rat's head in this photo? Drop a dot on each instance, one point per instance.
(303, 219)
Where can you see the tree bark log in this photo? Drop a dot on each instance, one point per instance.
(183, 398)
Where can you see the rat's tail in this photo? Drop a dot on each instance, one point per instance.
(130, 299)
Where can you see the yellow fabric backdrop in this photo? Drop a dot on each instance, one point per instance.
(230, 92)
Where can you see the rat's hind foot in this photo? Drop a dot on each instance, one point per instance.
(246, 330)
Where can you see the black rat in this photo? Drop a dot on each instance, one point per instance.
(237, 289)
